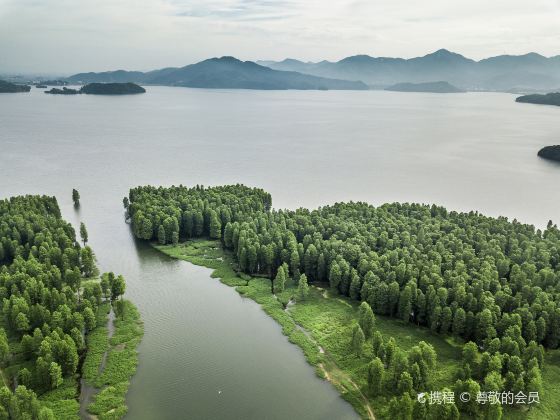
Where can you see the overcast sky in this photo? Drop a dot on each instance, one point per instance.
(68, 36)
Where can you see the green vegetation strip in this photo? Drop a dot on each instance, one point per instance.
(121, 361)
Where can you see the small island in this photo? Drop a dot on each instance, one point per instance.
(100, 89)
(63, 91)
(112, 89)
(547, 99)
(550, 152)
(430, 87)
(7, 87)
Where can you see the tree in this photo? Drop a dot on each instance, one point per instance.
(22, 323)
(215, 226)
(401, 407)
(55, 373)
(366, 319)
(161, 235)
(83, 233)
(355, 285)
(46, 414)
(118, 287)
(376, 372)
(534, 380)
(470, 353)
(88, 261)
(4, 346)
(485, 327)
(377, 342)
(335, 276)
(358, 339)
(405, 303)
(75, 197)
(279, 280)
(89, 318)
(493, 412)
(303, 287)
(405, 383)
(24, 377)
(459, 320)
(105, 285)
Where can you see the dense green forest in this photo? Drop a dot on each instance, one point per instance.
(50, 305)
(489, 282)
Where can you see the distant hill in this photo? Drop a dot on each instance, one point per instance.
(432, 87)
(224, 73)
(507, 72)
(7, 87)
(112, 89)
(548, 99)
(117, 76)
(550, 152)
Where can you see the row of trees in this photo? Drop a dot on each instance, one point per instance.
(44, 303)
(488, 280)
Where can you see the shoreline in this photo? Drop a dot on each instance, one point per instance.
(275, 307)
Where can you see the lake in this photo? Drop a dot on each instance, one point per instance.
(465, 151)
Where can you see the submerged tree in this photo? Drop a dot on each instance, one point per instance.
(75, 197)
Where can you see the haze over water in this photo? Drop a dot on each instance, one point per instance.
(474, 151)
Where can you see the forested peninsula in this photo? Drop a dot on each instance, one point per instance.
(388, 301)
(7, 87)
(53, 324)
(547, 99)
(550, 152)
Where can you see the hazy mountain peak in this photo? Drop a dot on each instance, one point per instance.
(443, 54)
(291, 61)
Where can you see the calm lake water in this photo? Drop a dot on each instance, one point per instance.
(465, 151)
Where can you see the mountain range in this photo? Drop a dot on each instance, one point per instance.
(522, 73)
(222, 73)
(529, 72)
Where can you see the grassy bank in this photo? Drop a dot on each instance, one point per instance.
(113, 379)
(322, 327)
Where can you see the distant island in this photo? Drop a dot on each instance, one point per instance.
(112, 89)
(550, 152)
(432, 87)
(223, 73)
(63, 91)
(100, 89)
(547, 99)
(7, 87)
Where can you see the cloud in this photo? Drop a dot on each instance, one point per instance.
(59, 36)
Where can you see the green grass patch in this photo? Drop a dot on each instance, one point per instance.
(97, 344)
(63, 401)
(120, 364)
